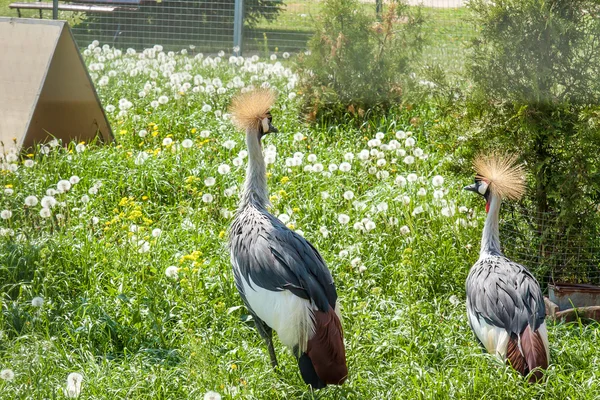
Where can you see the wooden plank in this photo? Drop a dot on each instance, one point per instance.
(71, 7)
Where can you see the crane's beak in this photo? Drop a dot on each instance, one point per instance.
(272, 129)
(471, 188)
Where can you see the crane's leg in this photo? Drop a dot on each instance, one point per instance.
(267, 333)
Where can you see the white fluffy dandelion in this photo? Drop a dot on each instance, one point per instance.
(437, 180)
(369, 225)
(171, 272)
(284, 218)
(63, 186)
(212, 396)
(343, 219)
(5, 214)
(187, 143)
(345, 167)
(412, 178)
(45, 212)
(324, 231)
(31, 201)
(405, 230)
(348, 195)
(210, 181)
(73, 389)
(48, 201)
(418, 210)
(409, 160)
(207, 198)
(37, 301)
(7, 374)
(74, 180)
(143, 246)
(224, 169)
(382, 207)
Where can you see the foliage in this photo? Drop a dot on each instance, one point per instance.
(357, 61)
(534, 68)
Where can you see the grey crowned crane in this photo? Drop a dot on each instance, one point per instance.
(280, 276)
(505, 306)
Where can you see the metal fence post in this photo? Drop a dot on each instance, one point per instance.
(54, 9)
(238, 27)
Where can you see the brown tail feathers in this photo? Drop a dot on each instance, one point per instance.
(325, 351)
(532, 358)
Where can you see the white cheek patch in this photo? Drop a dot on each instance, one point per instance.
(482, 188)
(265, 125)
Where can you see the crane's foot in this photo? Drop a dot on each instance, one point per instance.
(272, 353)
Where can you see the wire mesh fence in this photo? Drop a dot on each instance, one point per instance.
(268, 25)
(554, 251)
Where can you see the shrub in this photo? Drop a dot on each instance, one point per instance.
(535, 68)
(357, 61)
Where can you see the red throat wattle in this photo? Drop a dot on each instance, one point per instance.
(487, 207)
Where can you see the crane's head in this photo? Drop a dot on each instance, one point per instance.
(266, 125)
(499, 176)
(481, 187)
(250, 111)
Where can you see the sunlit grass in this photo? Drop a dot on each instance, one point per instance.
(139, 206)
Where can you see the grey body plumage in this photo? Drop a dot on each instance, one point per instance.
(276, 258)
(505, 294)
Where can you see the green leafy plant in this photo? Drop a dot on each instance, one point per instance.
(357, 61)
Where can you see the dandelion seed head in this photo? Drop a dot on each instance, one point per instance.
(437, 180)
(37, 301)
(345, 167)
(171, 272)
(212, 396)
(31, 201)
(63, 186)
(343, 219)
(224, 169)
(7, 374)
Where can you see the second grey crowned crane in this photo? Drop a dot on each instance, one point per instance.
(281, 277)
(505, 306)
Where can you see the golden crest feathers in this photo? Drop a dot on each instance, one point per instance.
(504, 176)
(250, 108)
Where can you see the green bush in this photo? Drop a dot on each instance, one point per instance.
(534, 68)
(358, 60)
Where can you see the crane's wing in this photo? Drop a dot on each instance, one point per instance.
(276, 259)
(505, 295)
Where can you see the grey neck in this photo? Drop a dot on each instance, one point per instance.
(490, 240)
(255, 187)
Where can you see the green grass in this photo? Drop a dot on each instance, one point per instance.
(111, 313)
